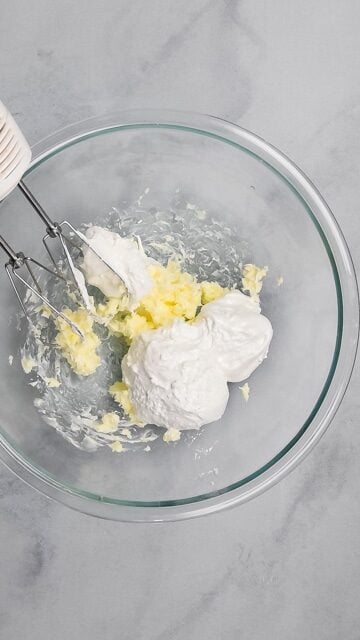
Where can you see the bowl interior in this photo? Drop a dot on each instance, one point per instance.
(81, 182)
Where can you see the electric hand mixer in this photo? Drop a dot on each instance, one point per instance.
(15, 157)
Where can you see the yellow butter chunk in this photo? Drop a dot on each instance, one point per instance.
(107, 310)
(116, 446)
(130, 325)
(252, 277)
(172, 435)
(175, 294)
(211, 291)
(80, 353)
(120, 393)
(44, 311)
(52, 382)
(245, 390)
(28, 364)
(108, 423)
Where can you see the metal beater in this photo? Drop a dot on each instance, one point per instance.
(15, 157)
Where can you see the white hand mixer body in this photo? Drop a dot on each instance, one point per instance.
(15, 158)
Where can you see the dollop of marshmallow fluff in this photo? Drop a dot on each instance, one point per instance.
(172, 379)
(241, 334)
(123, 255)
(177, 376)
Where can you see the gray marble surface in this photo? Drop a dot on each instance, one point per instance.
(286, 565)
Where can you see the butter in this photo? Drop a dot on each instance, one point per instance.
(52, 382)
(129, 326)
(245, 390)
(28, 364)
(81, 354)
(44, 311)
(116, 446)
(108, 423)
(175, 294)
(211, 291)
(252, 277)
(107, 310)
(120, 393)
(172, 435)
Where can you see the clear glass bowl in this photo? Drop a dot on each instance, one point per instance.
(80, 173)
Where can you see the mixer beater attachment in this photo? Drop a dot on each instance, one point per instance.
(17, 260)
(15, 156)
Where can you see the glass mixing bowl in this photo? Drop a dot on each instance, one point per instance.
(80, 173)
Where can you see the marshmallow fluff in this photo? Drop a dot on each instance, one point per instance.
(177, 376)
(241, 334)
(125, 256)
(172, 378)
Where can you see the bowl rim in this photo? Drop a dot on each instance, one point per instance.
(347, 332)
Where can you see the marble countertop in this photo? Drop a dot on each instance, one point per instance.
(286, 565)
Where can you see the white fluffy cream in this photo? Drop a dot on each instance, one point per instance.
(177, 375)
(125, 256)
(173, 379)
(241, 334)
